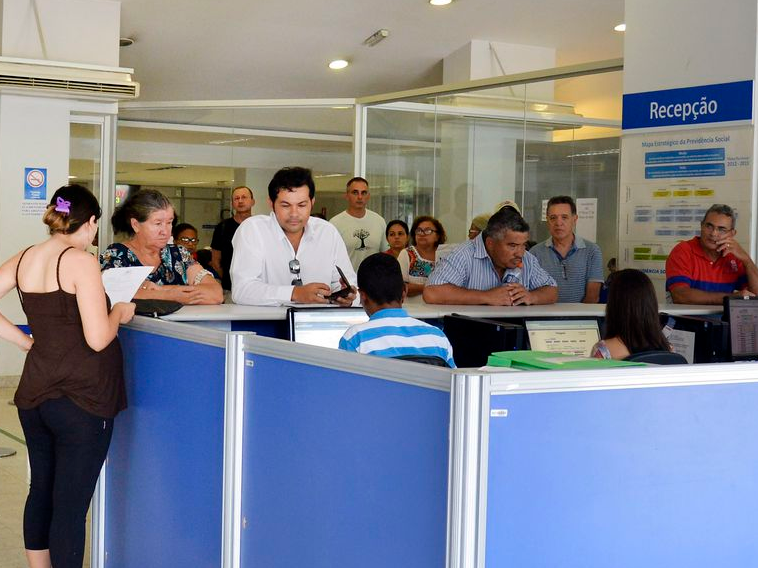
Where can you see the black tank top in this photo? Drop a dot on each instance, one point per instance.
(60, 363)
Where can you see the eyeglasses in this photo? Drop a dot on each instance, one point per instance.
(473, 232)
(563, 266)
(188, 240)
(426, 231)
(714, 229)
(295, 269)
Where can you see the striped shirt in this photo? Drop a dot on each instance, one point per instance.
(469, 266)
(582, 264)
(393, 333)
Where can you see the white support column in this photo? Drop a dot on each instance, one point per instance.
(35, 125)
(682, 52)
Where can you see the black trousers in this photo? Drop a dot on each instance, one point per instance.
(67, 447)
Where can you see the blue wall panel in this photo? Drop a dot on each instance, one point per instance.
(342, 470)
(165, 468)
(624, 478)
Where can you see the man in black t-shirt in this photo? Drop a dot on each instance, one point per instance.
(221, 244)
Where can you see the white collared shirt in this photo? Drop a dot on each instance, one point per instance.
(260, 264)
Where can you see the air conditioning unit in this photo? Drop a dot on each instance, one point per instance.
(69, 80)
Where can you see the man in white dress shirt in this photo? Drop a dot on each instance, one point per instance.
(289, 256)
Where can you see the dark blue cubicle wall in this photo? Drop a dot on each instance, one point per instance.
(164, 475)
(248, 451)
(342, 469)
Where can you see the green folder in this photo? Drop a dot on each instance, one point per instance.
(533, 360)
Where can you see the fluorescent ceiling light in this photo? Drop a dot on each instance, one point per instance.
(338, 64)
(71, 177)
(620, 28)
(376, 37)
(234, 141)
(440, 2)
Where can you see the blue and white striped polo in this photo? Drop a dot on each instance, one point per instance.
(393, 333)
(469, 266)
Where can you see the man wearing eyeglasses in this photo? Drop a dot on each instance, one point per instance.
(704, 269)
(361, 229)
(493, 269)
(289, 256)
(576, 264)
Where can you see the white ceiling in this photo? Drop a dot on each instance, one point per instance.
(254, 49)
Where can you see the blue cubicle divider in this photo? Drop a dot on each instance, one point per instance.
(661, 476)
(164, 475)
(341, 469)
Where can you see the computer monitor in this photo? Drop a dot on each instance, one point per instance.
(563, 336)
(741, 313)
(474, 339)
(322, 326)
(711, 336)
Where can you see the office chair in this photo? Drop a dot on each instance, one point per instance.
(657, 358)
(425, 359)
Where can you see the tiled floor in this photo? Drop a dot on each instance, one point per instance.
(13, 487)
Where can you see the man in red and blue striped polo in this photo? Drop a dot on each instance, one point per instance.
(706, 268)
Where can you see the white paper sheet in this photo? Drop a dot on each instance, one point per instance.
(121, 284)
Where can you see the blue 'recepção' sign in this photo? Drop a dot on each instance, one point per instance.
(690, 106)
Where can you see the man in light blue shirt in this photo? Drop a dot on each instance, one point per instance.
(390, 331)
(494, 268)
(575, 264)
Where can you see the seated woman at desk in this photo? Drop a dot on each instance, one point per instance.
(631, 318)
(146, 219)
(418, 260)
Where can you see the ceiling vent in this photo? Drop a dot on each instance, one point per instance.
(67, 80)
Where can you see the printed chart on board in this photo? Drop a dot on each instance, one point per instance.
(671, 179)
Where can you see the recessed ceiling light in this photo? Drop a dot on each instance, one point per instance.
(620, 28)
(338, 64)
(125, 41)
(440, 2)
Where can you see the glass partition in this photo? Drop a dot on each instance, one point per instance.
(458, 155)
(197, 154)
(453, 155)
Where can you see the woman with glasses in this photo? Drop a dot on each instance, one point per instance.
(146, 218)
(185, 235)
(397, 237)
(418, 260)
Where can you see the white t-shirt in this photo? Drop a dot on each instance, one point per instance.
(260, 263)
(371, 227)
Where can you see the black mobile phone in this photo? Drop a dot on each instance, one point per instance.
(343, 292)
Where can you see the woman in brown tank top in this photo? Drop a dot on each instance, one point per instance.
(72, 383)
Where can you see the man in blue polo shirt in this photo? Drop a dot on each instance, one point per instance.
(576, 264)
(390, 331)
(494, 269)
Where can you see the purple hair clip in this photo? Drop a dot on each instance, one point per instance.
(62, 206)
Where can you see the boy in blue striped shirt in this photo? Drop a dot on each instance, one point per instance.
(390, 331)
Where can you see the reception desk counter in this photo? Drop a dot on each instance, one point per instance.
(224, 315)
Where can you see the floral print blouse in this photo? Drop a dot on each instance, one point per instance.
(175, 261)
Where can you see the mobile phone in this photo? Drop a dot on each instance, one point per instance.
(343, 292)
